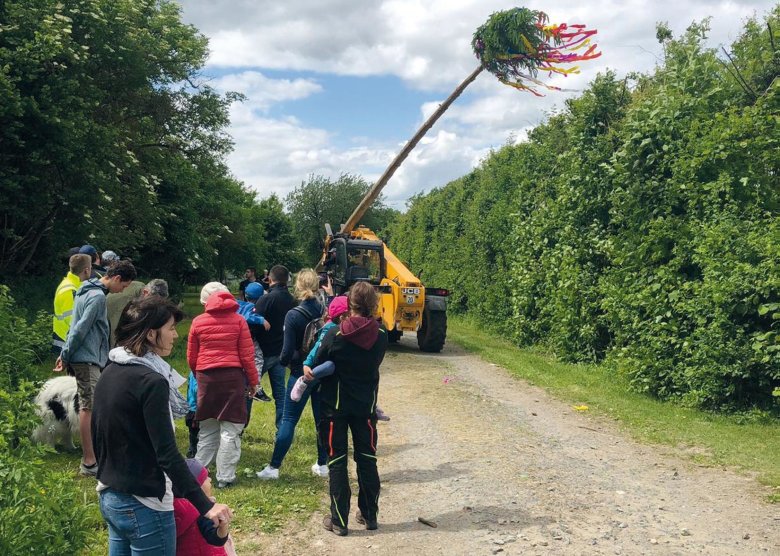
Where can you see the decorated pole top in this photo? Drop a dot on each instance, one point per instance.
(514, 45)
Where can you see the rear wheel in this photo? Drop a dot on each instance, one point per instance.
(433, 331)
(394, 336)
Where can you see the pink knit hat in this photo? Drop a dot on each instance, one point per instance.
(338, 306)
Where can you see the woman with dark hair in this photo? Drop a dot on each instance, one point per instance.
(136, 400)
(348, 403)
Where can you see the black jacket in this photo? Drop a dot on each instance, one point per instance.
(294, 326)
(133, 437)
(357, 347)
(273, 307)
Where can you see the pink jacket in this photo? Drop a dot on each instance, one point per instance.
(189, 541)
(220, 338)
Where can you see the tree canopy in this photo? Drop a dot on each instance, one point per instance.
(108, 135)
(321, 200)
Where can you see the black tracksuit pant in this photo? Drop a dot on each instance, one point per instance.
(333, 435)
(194, 429)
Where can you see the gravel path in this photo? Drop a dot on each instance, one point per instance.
(502, 468)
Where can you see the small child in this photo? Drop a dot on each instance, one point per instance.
(246, 309)
(196, 534)
(338, 309)
(189, 420)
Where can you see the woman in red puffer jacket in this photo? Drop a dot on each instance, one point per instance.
(221, 354)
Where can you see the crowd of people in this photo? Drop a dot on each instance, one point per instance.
(112, 333)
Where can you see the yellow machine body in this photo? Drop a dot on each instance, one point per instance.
(402, 295)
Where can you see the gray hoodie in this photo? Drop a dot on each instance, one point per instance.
(87, 340)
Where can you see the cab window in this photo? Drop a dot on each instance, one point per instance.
(365, 264)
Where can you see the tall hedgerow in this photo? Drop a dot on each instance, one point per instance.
(694, 251)
(638, 225)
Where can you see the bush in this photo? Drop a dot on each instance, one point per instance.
(640, 225)
(22, 345)
(40, 509)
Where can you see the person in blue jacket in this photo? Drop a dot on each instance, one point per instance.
(256, 322)
(189, 419)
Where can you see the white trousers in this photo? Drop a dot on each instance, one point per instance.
(220, 438)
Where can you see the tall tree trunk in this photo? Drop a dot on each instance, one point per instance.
(373, 193)
(47, 223)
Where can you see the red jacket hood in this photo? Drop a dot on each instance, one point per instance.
(221, 301)
(361, 331)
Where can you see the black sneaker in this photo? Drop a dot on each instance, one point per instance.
(328, 524)
(225, 484)
(370, 524)
(261, 396)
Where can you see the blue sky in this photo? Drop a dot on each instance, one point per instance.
(355, 109)
(339, 86)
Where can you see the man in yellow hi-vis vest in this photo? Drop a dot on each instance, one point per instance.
(80, 269)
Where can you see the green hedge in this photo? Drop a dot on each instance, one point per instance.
(638, 226)
(41, 511)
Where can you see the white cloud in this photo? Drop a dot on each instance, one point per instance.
(426, 44)
(262, 92)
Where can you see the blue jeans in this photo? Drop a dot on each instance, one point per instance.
(134, 529)
(291, 416)
(276, 373)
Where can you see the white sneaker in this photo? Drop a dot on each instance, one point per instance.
(298, 389)
(268, 473)
(320, 470)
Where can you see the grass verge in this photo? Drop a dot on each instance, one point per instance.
(708, 438)
(259, 506)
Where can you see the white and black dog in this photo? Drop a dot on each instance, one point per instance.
(58, 407)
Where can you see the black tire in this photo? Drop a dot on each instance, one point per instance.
(433, 331)
(394, 336)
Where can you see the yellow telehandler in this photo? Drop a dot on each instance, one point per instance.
(355, 253)
(405, 304)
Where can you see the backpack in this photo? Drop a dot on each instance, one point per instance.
(311, 332)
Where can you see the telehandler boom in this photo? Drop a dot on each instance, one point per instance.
(355, 253)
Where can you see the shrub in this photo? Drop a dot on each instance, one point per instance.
(40, 510)
(22, 344)
(641, 224)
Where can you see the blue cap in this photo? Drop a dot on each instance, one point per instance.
(88, 250)
(253, 291)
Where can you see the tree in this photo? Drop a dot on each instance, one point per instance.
(320, 200)
(108, 136)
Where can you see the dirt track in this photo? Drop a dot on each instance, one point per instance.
(502, 468)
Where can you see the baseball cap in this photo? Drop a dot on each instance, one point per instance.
(253, 291)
